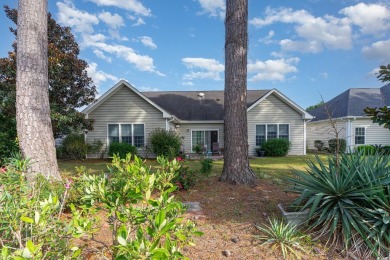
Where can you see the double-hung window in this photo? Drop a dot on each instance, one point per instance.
(271, 131)
(360, 135)
(133, 134)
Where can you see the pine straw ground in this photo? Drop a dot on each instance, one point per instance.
(229, 215)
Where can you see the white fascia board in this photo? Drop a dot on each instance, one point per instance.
(202, 122)
(341, 119)
(114, 89)
(292, 104)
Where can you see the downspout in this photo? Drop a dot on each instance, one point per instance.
(85, 136)
(349, 135)
(304, 134)
(167, 123)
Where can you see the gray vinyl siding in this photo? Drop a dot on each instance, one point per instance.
(124, 106)
(185, 133)
(374, 133)
(323, 131)
(273, 110)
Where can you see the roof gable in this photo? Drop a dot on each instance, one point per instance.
(350, 103)
(114, 89)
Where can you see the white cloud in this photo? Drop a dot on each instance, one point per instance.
(101, 55)
(213, 7)
(148, 42)
(98, 76)
(187, 83)
(324, 75)
(80, 21)
(130, 5)
(273, 70)
(148, 89)
(209, 69)
(114, 22)
(316, 33)
(379, 50)
(141, 62)
(138, 20)
(268, 38)
(371, 18)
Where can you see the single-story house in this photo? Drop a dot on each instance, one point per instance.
(124, 114)
(352, 124)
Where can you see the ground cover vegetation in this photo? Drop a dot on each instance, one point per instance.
(52, 220)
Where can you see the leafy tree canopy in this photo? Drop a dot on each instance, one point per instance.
(381, 115)
(315, 106)
(69, 85)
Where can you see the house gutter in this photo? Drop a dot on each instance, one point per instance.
(167, 123)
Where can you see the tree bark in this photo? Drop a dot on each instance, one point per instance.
(236, 167)
(34, 128)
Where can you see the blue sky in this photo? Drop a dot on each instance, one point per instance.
(305, 48)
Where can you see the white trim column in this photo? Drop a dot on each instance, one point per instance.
(304, 137)
(348, 135)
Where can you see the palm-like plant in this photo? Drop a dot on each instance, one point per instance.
(282, 235)
(343, 197)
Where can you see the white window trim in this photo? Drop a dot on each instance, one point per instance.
(192, 130)
(120, 132)
(354, 134)
(277, 131)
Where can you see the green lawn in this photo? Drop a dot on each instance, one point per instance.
(272, 167)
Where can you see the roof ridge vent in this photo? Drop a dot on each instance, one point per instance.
(201, 94)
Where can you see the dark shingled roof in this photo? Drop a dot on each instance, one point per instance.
(187, 105)
(352, 102)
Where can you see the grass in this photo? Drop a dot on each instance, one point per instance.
(227, 211)
(275, 168)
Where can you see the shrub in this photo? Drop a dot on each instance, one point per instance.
(366, 149)
(349, 198)
(333, 144)
(206, 165)
(165, 143)
(32, 226)
(282, 236)
(73, 147)
(319, 145)
(143, 226)
(121, 149)
(276, 147)
(198, 149)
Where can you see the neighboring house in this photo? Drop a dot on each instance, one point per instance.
(352, 124)
(123, 114)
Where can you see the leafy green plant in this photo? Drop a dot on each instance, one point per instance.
(198, 149)
(31, 222)
(318, 144)
(276, 147)
(333, 145)
(121, 149)
(143, 226)
(366, 149)
(347, 199)
(283, 236)
(206, 166)
(165, 143)
(73, 147)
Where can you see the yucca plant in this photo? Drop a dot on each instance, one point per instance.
(283, 236)
(343, 196)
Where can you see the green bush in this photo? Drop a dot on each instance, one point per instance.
(206, 165)
(165, 143)
(73, 147)
(333, 144)
(366, 149)
(8, 138)
(348, 197)
(276, 147)
(121, 149)
(319, 145)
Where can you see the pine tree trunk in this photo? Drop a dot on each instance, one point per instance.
(236, 167)
(34, 127)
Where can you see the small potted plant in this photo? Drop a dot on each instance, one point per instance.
(260, 152)
(198, 149)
